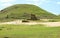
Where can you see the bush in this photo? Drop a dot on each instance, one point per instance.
(25, 21)
(33, 17)
(53, 21)
(0, 29)
(6, 37)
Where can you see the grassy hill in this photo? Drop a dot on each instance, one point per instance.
(19, 10)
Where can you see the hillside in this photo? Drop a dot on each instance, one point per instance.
(59, 16)
(19, 10)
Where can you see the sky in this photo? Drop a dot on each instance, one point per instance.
(52, 6)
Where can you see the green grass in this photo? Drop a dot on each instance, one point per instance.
(54, 20)
(17, 11)
(27, 31)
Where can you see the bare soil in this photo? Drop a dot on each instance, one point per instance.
(48, 24)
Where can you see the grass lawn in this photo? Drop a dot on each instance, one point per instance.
(27, 31)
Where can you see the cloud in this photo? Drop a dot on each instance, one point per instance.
(58, 2)
(6, 1)
(37, 2)
(6, 4)
(2, 6)
(32, 0)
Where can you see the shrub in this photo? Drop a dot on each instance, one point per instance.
(0, 29)
(52, 20)
(6, 37)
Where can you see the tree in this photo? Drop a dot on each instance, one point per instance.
(7, 16)
(33, 17)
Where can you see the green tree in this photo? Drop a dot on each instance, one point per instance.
(33, 17)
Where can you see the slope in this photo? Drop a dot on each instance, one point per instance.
(19, 10)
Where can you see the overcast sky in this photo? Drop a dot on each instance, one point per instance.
(49, 5)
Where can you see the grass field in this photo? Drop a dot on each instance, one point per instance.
(29, 31)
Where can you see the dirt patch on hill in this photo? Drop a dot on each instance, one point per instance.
(48, 24)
